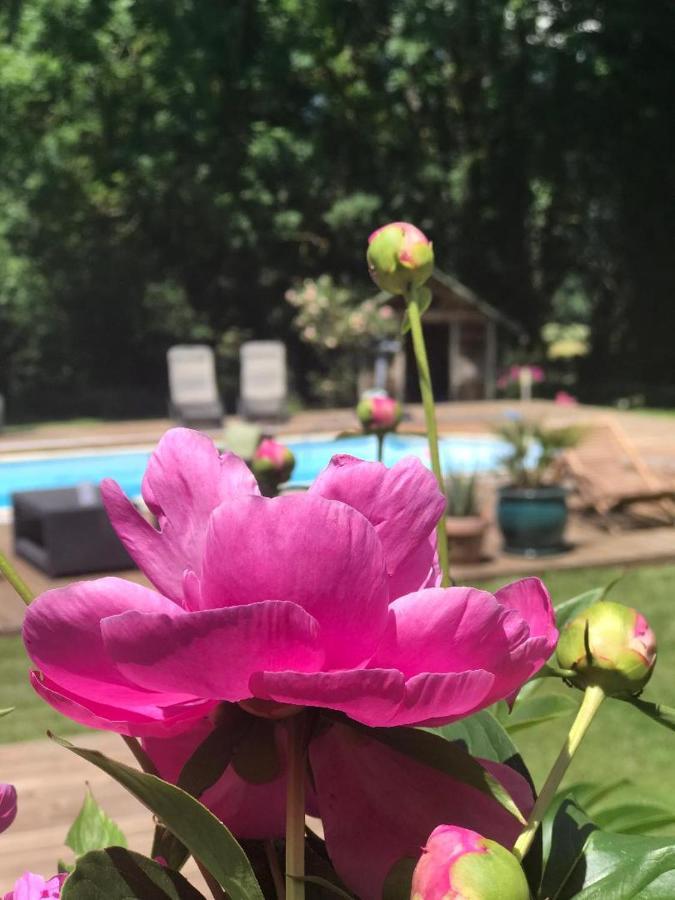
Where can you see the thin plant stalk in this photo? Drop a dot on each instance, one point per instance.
(15, 580)
(295, 809)
(380, 445)
(415, 319)
(275, 870)
(593, 697)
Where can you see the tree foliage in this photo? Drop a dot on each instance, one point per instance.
(168, 170)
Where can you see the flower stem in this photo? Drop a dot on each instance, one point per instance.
(295, 809)
(593, 697)
(426, 391)
(380, 446)
(15, 580)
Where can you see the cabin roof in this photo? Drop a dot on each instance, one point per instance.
(443, 284)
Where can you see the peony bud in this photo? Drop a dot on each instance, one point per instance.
(379, 413)
(272, 464)
(398, 255)
(611, 646)
(7, 806)
(458, 863)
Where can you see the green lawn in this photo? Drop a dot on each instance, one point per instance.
(620, 744)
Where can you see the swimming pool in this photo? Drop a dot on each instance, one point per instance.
(459, 454)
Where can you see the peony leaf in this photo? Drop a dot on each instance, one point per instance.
(570, 609)
(6, 712)
(535, 710)
(658, 712)
(119, 874)
(92, 829)
(207, 839)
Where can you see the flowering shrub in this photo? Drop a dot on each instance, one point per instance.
(341, 329)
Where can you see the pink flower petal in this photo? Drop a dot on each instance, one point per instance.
(319, 554)
(402, 503)
(368, 695)
(62, 634)
(530, 599)
(378, 806)
(35, 887)
(212, 652)
(185, 480)
(446, 630)
(380, 697)
(7, 806)
(151, 720)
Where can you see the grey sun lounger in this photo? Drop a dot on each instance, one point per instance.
(263, 382)
(195, 401)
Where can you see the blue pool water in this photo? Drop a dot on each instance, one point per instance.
(458, 455)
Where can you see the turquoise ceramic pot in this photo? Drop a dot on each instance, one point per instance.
(532, 520)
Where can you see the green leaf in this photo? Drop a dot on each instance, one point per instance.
(535, 710)
(623, 867)
(6, 712)
(570, 609)
(658, 712)
(405, 323)
(434, 749)
(120, 874)
(328, 885)
(483, 736)
(92, 829)
(207, 839)
(565, 831)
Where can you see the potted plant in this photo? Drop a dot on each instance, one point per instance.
(464, 525)
(532, 507)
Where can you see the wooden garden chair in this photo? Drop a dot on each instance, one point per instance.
(610, 476)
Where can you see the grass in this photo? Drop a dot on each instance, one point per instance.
(621, 743)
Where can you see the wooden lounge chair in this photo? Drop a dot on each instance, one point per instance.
(610, 476)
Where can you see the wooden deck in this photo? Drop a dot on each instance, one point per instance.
(51, 783)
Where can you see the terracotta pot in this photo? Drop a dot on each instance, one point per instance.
(465, 538)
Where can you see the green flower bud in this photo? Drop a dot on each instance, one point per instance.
(458, 863)
(379, 413)
(399, 255)
(611, 646)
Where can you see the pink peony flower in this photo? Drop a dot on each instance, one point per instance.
(460, 863)
(7, 806)
(322, 599)
(34, 887)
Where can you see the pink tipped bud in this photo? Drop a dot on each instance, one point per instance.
(609, 645)
(7, 806)
(272, 464)
(379, 413)
(462, 864)
(399, 255)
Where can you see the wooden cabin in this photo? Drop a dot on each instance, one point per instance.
(466, 339)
